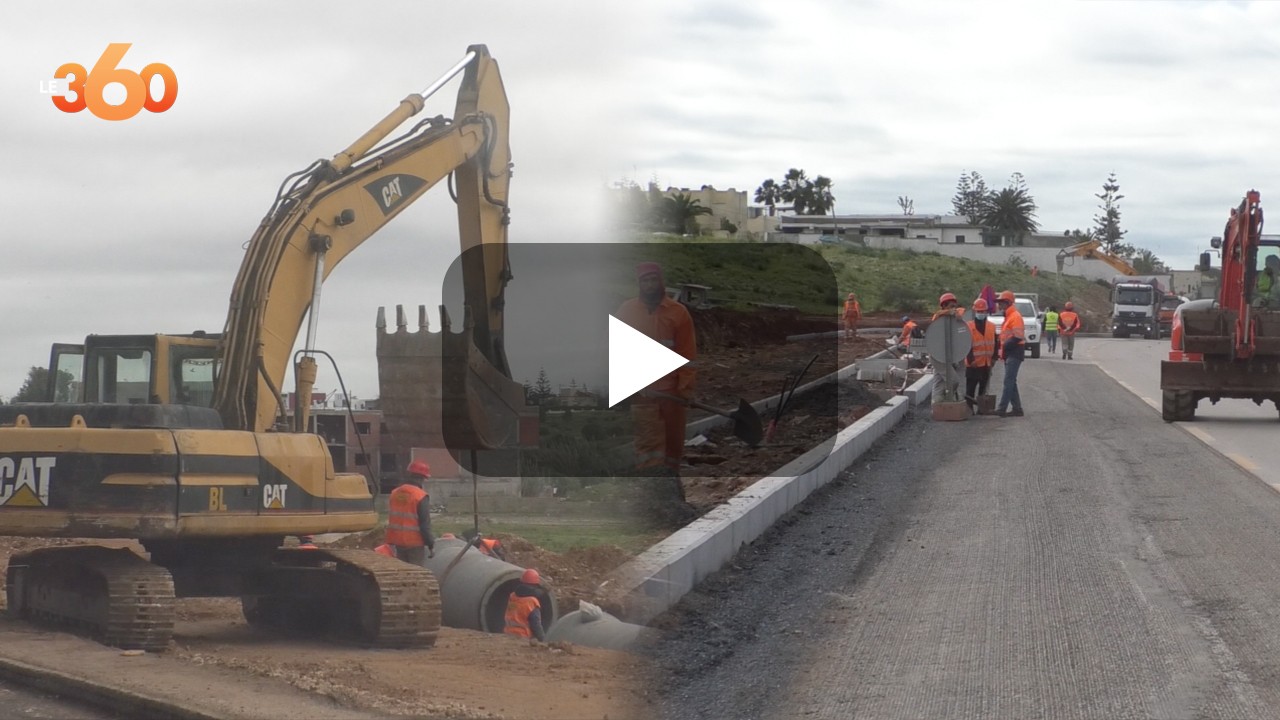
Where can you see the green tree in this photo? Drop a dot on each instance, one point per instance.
(971, 198)
(795, 187)
(1106, 227)
(1011, 212)
(681, 212)
(33, 388)
(769, 194)
(907, 204)
(818, 197)
(541, 388)
(1146, 263)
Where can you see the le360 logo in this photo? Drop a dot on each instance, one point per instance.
(89, 86)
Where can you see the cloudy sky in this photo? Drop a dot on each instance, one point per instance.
(139, 225)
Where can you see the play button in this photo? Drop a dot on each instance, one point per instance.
(636, 361)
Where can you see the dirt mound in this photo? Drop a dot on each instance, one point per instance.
(721, 327)
(575, 574)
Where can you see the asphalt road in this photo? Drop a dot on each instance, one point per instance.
(17, 702)
(1243, 431)
(1085, 561)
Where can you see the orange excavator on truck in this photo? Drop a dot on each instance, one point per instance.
(182, 442)
(1228, 347)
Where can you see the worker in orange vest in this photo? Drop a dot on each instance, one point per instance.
(524, 609)
(1068, 326)
(908, 328)
(487, 546)
(948, 305)
(982, 355)
(659, 424)
(409, 517)
(852, 314)
(1013, 346)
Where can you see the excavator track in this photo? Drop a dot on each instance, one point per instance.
(356, 595)
(109, 594)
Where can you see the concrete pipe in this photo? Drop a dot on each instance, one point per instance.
(593, 627)
(474, 595)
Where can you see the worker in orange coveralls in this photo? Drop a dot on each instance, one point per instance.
(852, 314)
(659, 424)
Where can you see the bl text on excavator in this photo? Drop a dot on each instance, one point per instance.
(182, 442)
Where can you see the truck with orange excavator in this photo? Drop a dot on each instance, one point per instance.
(182, 442)
(1228, 347)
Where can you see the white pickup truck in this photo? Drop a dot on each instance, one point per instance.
(1031, 318)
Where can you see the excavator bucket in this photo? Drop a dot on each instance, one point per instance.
(1211, 334)
(437, 390)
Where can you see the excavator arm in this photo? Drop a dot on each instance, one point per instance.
(325, 212)
(1093, 249)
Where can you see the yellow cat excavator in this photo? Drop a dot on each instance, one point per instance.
(183, 443)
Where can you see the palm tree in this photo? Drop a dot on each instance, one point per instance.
(795, 187)
(681, 210)
(1011, 212)
(769, 193)
(1146, 263)
(819, 199)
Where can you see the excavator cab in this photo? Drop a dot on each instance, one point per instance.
(134, 370)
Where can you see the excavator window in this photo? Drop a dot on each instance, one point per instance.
(118, 375)
(191, 374)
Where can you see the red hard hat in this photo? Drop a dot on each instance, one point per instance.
(980, 305)
(420, 467)
(1005, 295)
(1068, 306)
(531, 577)
(946, 298)
(385, 549)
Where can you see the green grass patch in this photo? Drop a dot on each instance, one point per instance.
(558, 537)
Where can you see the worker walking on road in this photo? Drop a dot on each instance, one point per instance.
(524, 609)
(982, 356)
(1051, 329)
(659, 424)
(1013, 339)
(852, 314)
(409, 517)
(1068, 325)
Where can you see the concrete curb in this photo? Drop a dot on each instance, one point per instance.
(77, 689)
(702, 425)
(656, 580)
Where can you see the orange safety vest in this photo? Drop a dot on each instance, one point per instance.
(906, 332)
(984, 344)
(518, 611)
(402, 516)
(852, 311)
(1068, 322)
(1013, 327)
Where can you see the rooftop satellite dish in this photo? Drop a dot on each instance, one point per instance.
(948, 341)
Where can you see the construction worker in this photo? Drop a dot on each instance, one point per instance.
(1268, 287)
(982, 355)
(409, 517)
(1013, 340)
(524, 609)
(948, 305)
(487, 546)
(1068, 326)
(659, 424)
(908, 329)
(1051, 328)
(852, 314)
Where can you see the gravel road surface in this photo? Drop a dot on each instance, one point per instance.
(1086, 561)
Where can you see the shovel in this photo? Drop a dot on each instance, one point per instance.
(746, 421)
